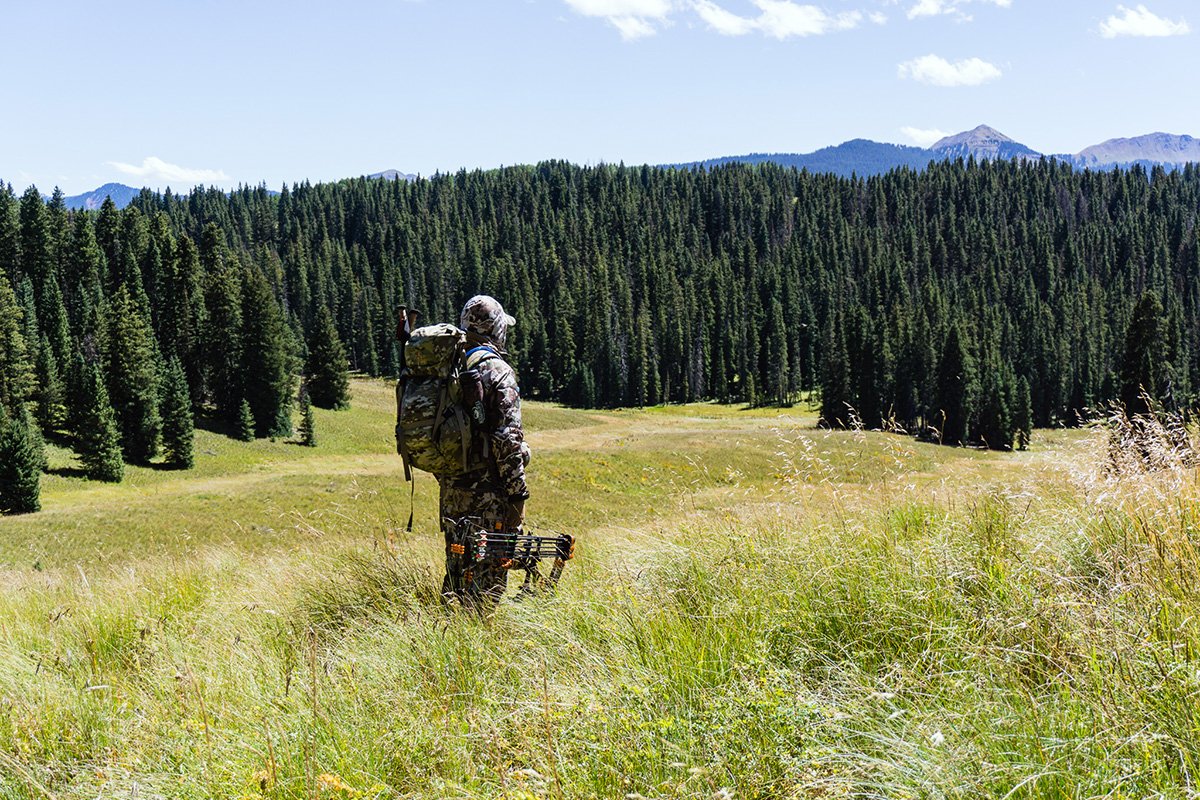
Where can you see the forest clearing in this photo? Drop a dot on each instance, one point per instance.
(757, 609)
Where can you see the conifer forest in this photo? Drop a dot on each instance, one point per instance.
(968, 301)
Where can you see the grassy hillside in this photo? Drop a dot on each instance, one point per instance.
(758, 609)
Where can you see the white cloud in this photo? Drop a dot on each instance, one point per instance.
(878, 17)
(155, 170)
(780, 19)
(937, 71)
(1141, 21)
(633, 19)
(923, 137)
(933, 8)
(722, 21)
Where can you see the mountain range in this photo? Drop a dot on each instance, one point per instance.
(866, 157)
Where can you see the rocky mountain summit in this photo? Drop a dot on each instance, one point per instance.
(1153, 148)
(983, 142)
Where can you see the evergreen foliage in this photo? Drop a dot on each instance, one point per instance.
(638, 285)
(97, 438)
(954, 392)
(1143, 371)
(243, 424)
(16, 369)
(21, 464)
(325, 373)
(178, 425)
(133, 377)
(266, 363)
(222, 337)
(308, 423)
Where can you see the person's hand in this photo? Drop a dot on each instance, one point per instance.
(516, 515)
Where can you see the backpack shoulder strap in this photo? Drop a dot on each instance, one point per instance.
(480, 354)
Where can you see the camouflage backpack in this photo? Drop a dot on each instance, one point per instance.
(439, 401)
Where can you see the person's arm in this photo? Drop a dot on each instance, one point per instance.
(507, 435)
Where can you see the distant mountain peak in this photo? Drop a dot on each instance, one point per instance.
(393, 175)
(982, 142)
(120, 193)
(1152, 148)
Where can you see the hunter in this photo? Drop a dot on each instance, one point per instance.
(495, 492)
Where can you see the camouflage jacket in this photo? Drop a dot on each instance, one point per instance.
(502, 426)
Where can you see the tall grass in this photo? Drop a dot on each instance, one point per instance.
(869, 626)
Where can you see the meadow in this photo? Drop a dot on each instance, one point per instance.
(757, 609)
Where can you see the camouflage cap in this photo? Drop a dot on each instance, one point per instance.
(483, 315)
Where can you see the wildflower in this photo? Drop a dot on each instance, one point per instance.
(937, 738)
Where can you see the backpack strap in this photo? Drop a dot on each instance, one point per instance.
(480, 354)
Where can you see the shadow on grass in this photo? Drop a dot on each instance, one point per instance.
(68, 472)
(216, 425)
(162, 466)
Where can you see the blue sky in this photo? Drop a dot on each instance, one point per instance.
(177, 92)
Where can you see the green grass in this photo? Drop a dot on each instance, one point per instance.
(758, 609)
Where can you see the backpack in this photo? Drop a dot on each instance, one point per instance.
(439, 402)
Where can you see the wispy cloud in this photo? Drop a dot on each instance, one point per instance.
(633, 19)
(933, 8)
(923, 137)
(937, 71)
(779, 19)
(1141, 21)
(155, 170)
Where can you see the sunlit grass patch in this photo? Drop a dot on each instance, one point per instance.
(757, 609)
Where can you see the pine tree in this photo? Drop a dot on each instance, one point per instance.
(51, 394)
(178, 431)
(1023, 414)
(20, 464)
(16, 368)
(835, 378)
(266, 364)
(222, 337)
(133, 377)
(308, 423)
(326, 370)
(98, 440)
(243, 427)
(1142, 366)
(954, 394)
(778, 365)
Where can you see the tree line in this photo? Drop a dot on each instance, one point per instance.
(968, 301)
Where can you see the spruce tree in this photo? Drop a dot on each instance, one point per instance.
(308, 425)
(21, 462)
(954, 394)
(266, 362)
(97, 439)
(16, 367)
(1023, 414)
(326, 370)
(243, 425)
(835, 377)
(51, 395)
(222, 331)
(1142, 365)
(178, 431)
(133, 377)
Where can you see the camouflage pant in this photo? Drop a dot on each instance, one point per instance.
(478, 500)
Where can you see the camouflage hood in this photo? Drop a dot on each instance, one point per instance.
(484, 316)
